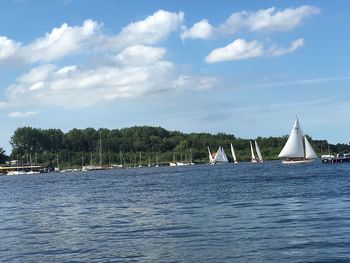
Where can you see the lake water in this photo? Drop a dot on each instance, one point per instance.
(265, 212)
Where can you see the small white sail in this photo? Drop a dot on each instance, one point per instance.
(294, 146)
(309, 151)
(224, 156)
(211, 159)
(252, 152)
(258, 152)
(233, 154)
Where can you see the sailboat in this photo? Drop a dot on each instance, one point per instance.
(140, 165)
(191, 161)
(173, 163)
(157, 165)
(233, 154)
(260, 158)
(122, 163)
(297, 148)
(149, 161)
(92, 167)
(254, 160)
(219, 157)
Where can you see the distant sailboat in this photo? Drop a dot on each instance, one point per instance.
(297, 148)
(260, 158)
(191, 161)
(219, 157)
(173, 163)
(140, 164)
(233, 154)
(253, 160)
(92, 167)
(157, 165)
(122, 163)
(149, 161)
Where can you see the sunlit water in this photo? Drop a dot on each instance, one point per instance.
(222, 213)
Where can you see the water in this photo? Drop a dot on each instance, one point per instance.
(224, 213)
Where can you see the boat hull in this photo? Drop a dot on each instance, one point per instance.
(297, 161)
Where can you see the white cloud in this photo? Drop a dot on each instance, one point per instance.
(18, 114)
(136, 71)
(277, 51)
(37, 73)
(263, 20)
(272, 20)
(127, 66)
(149, 31)
(201, 29)
(60, 42)
(240, 49)
(7, 47)
(3, 104)
(67, 40)
(140, 54)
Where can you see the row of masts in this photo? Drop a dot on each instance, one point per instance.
(297, 148)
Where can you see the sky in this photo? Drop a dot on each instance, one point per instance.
(241, 67)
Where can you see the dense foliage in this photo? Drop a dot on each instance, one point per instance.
(3, 156)
(81, 146)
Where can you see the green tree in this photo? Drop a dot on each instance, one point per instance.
(3, 156)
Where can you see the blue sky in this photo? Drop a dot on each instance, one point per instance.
(241, 67)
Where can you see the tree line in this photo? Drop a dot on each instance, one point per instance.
(82, 146)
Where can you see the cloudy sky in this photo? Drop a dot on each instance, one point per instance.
(241, 67)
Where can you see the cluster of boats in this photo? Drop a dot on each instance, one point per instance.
(343, 157)
(221, 157)
(296, 150)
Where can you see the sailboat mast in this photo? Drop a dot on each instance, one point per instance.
(100, 149)
(58, 163)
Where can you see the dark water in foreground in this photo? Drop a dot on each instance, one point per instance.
(224, 213)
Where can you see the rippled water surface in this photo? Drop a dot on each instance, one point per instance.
(224, 213)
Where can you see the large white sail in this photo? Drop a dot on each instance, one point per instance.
(252, 152)
(220, 156)
(233, 154)
(258, 152)
(294, 146)
(309, 151)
